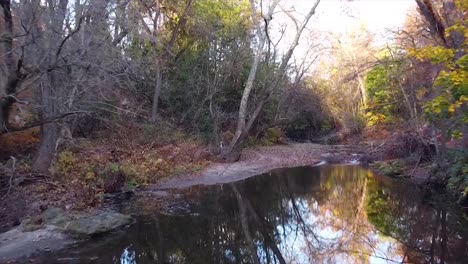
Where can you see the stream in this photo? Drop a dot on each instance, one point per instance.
(322, 214)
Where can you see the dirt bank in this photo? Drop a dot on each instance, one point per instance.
(259, 160)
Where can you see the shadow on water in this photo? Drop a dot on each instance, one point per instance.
(327, 214)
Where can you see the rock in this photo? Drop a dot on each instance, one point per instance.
(52, 213)
(48, 231)
(31, 224)
(16, 243)
(90, 225)
(60, 220)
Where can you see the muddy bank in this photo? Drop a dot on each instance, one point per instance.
(259, 160)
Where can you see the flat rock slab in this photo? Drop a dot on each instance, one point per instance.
(93, 224)
(16, 243)
(85, 223)
(55, 229)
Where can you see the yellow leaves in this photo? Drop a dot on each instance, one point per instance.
(462, 4)
(452, 80)
(375, 118)
(90, 176)
(457, 134)
(459, 77)
(421, 93)
(66, 162)
(453, 107)
(456, 27)
(463, 99)
(437, 108)
(336, 212)
(436, 54)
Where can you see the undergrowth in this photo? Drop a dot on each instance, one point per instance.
(127, 159)
(456, 169)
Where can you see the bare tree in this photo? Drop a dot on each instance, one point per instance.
(232, 153)
(163, 50)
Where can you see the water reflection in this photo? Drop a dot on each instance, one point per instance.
(332, 214)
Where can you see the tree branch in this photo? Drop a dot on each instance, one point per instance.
(42, 122)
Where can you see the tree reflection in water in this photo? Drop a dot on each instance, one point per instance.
(330, 214)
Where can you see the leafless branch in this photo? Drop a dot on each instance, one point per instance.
(12, 174)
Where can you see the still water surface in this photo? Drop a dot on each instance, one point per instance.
(325, 214)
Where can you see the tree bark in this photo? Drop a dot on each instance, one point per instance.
(50, 131)
(12, 68)
(434, 21)
(47, 148)
(51, 85)
(157, 93)
(253, 72)
(234, 151)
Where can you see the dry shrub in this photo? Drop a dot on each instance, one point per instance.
(271, 136)
(166, 161)
(402, 145)
(18, 143)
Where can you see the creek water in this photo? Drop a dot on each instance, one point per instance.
(324, 214)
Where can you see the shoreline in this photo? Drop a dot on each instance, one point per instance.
(254, 161)
(258, 160)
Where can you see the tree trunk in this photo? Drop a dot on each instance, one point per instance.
(245, 95)
(233, 152)
(162, 61)
(47, 148)
(10, 82)
(434, 21)
(157, 93)
(253, 70)
(50, 131)
(407, 101)
(362, 88)
(50, 88)
(5, 105)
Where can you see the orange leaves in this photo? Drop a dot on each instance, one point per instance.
(18, 143)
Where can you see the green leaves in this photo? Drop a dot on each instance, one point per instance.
(437, 108)
(382, 85)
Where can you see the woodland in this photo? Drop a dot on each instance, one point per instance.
(101, 96)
